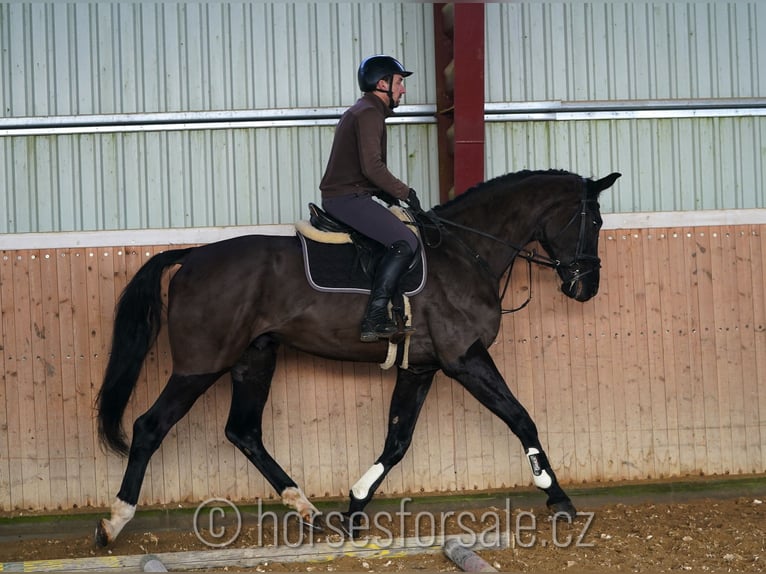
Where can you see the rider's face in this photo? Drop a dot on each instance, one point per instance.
(397, 88)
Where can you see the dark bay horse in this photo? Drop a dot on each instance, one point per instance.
(232, 303)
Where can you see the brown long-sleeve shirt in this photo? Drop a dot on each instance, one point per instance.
(358, 157)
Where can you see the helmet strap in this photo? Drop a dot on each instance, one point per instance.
(389, 92)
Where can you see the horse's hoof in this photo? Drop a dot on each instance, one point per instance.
(563, 507)
(346, 526)
(102, 534)
(315, 523)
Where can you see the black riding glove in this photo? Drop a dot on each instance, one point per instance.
(413, 201)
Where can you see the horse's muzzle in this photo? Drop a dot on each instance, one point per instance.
(578, 283)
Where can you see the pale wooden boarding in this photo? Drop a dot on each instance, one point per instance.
(657, 376)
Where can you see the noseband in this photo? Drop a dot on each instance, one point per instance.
(580, 257)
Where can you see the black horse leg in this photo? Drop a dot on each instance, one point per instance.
(477, 372)
(149, 430)
(251, 383)
(406, 402)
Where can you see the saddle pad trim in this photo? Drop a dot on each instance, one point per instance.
(304, 227)
(314, 285)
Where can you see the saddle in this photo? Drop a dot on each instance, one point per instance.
(337, 258)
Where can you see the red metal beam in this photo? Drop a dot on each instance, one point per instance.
(459, 55)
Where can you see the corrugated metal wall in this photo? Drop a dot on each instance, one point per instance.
(683, 164)
(62, 60)
(177, 179)
(588, 51)
(140, 57)
(634, 52)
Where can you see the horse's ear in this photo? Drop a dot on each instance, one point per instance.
(605, 182)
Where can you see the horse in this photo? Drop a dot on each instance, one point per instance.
(228, 311)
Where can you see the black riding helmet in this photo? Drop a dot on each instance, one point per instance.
(376, 68)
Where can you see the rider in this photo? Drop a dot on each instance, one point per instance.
(357, 171)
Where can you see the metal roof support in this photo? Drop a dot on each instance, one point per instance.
(459, 95)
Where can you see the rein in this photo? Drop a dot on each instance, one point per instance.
(520, 251)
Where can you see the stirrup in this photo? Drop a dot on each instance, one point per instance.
(371, 332)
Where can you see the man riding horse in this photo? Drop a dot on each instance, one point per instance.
(357, 171)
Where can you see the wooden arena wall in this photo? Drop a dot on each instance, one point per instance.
(658, 376)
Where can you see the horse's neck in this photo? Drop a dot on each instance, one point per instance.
(501, 226)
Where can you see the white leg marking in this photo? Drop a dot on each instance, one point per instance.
(122, 513)
(540, 476)
(362, 486)
(293, 497)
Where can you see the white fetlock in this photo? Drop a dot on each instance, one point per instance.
(293, 497)
(362, 487)
(540, 476)
(122, 513)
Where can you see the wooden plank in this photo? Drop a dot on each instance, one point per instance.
(633, 376)
(709, 346)
(51, 362)
(538, 379)
(11, 477)
(324, 420)
(106, 475)
(294, 419)
(446, 431)
(460, 425)
(742, 414)
(40, 391)
(84, 403)
(750, 307)
(333, 371)
(613, 392)
(641, 346)
(580, 327)
(30, 485)
(759, 326)
(355, 469)
(646, 388)
(680, 369)
(498, 437)
(68, 377)
(724, 294)
(589, 447)
(697, 256)
(519, 365)
(600, 386)
(307, 391)
(660, 351)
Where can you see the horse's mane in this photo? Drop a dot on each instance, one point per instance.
(504, 180)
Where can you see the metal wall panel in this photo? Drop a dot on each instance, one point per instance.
(585, 51)
(59, 59)
(128, 58)
(137, 57)
(179, 179)
(684, 164)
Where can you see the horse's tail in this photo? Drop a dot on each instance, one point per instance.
(136, 325)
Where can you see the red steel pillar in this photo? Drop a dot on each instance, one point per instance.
(459, 54)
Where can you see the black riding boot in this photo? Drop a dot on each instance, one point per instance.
(376, 323)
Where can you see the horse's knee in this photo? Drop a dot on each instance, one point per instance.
(247, 439)
(147, 436)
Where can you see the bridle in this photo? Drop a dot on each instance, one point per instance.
(520, 251)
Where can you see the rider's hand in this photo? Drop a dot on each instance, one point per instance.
(413, 201)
